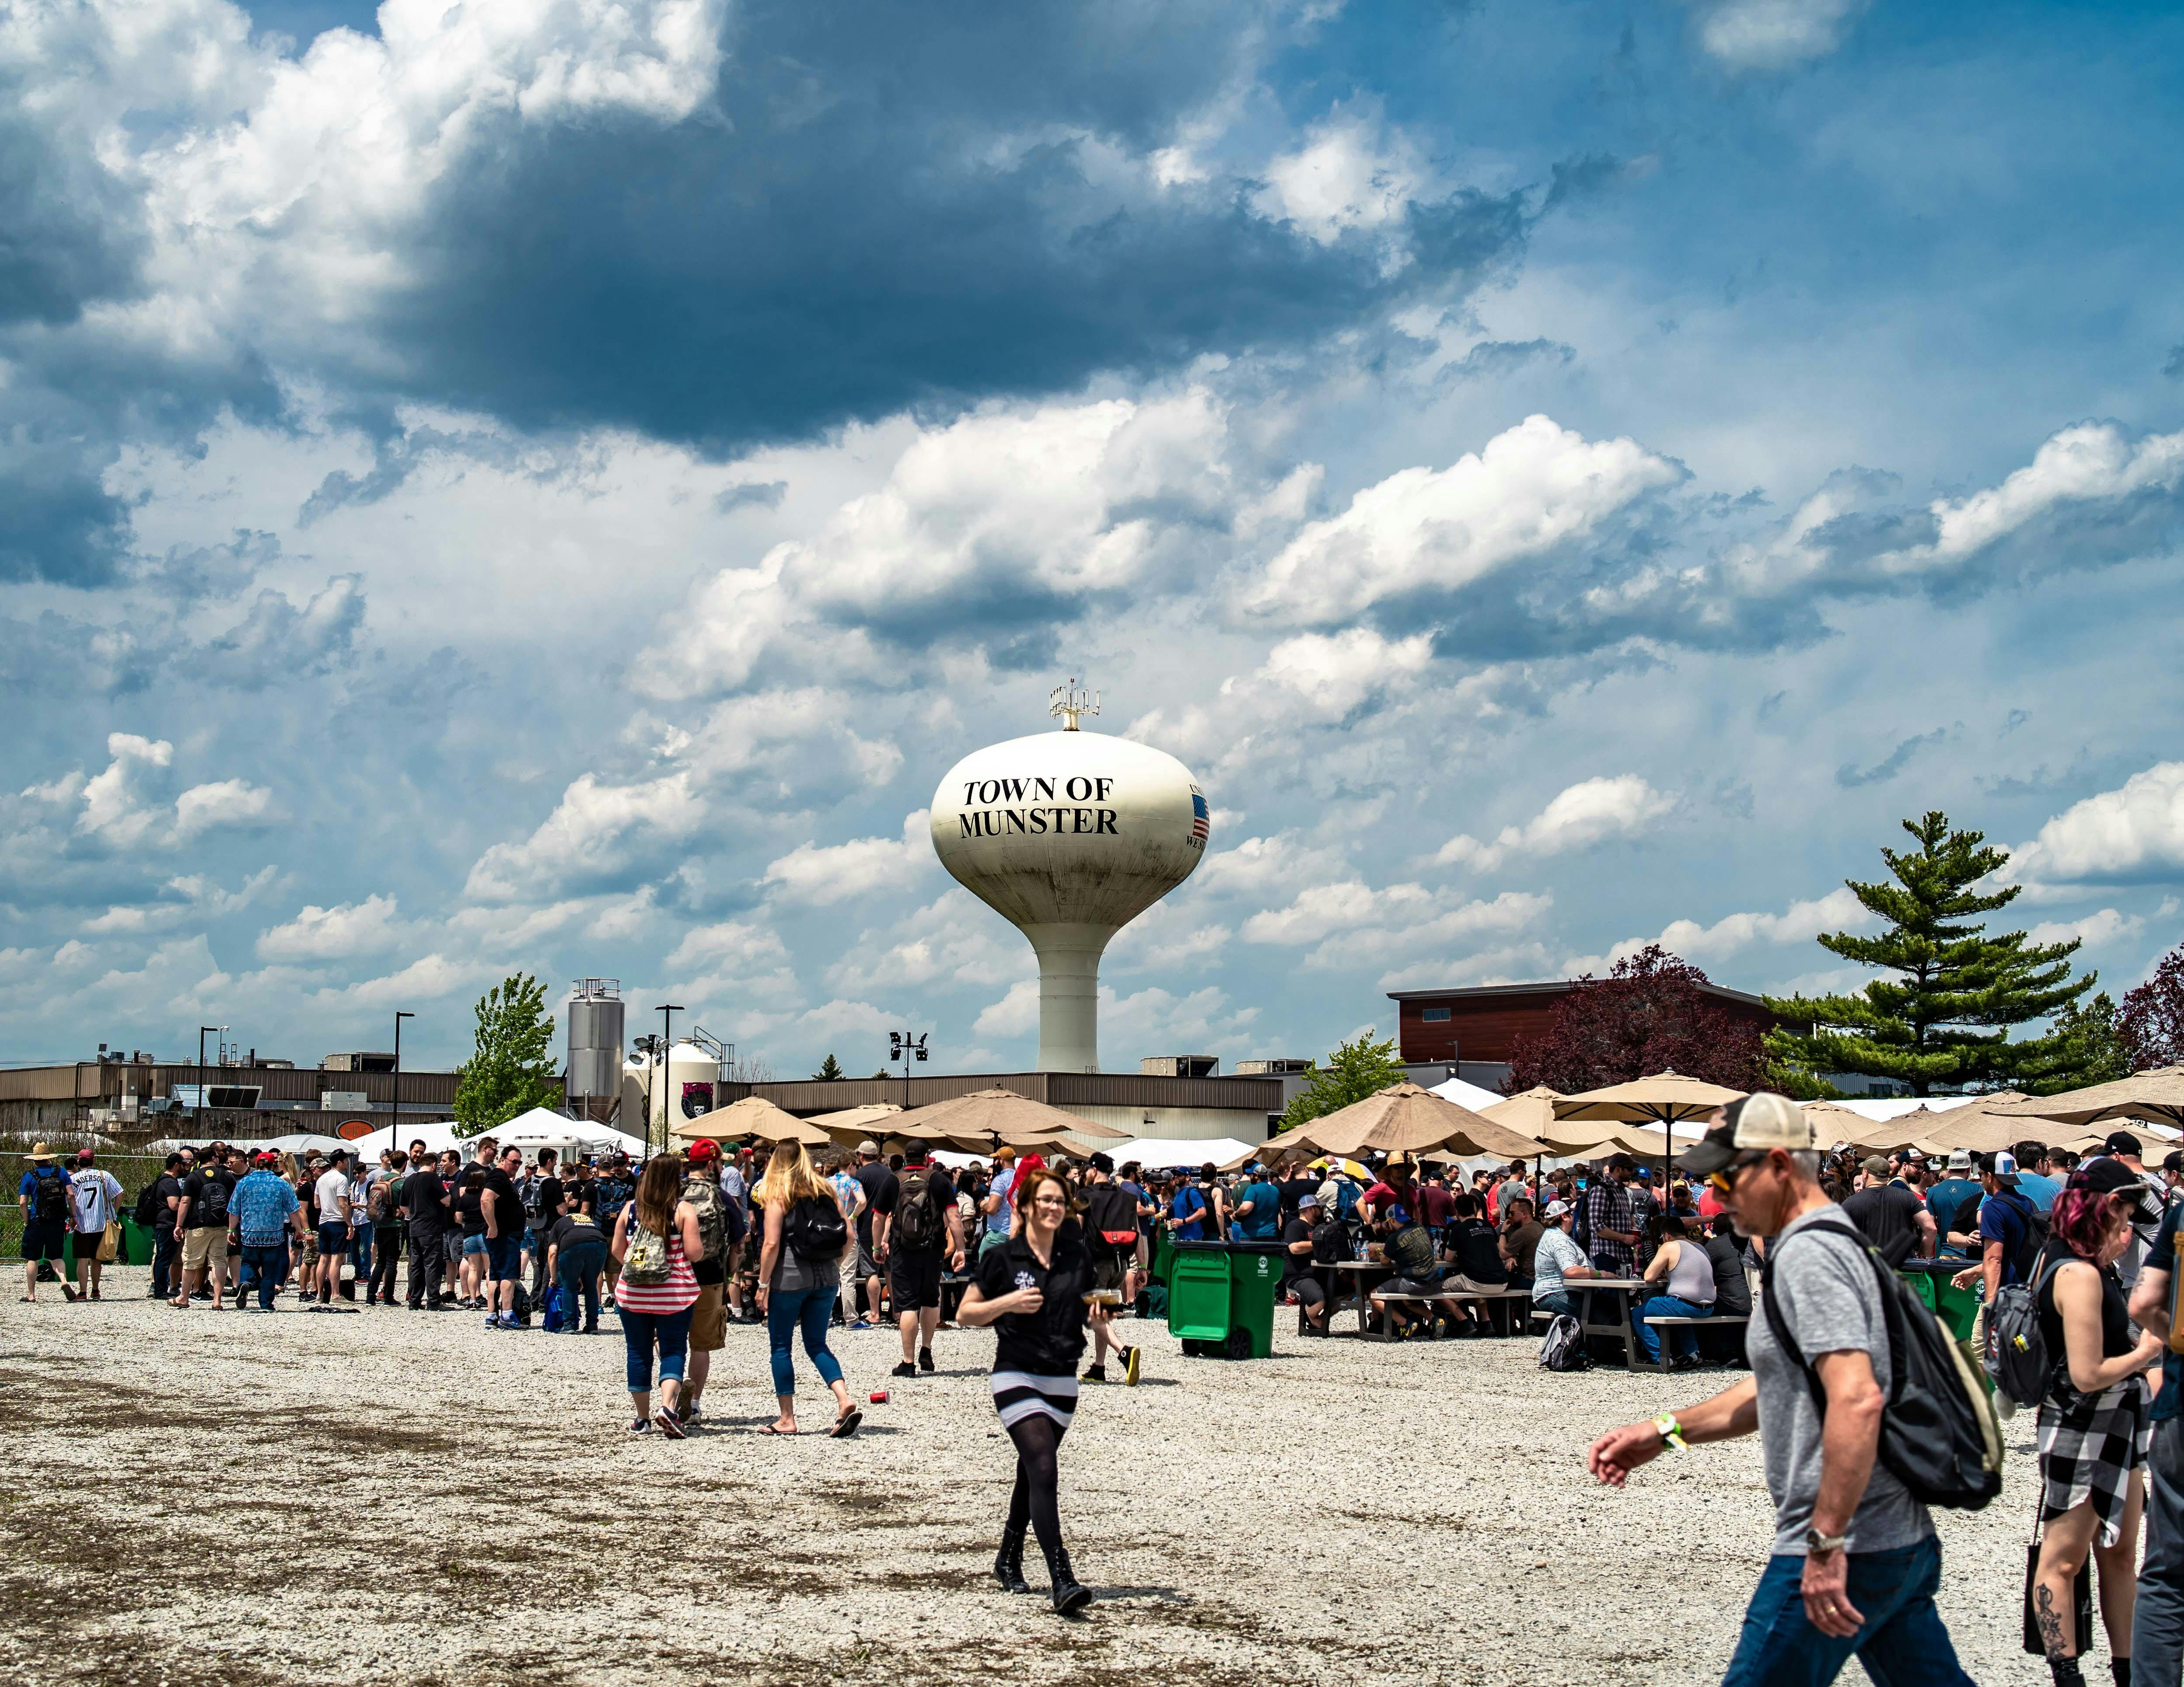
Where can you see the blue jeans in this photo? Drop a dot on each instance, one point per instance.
(2157, 1629)
(786, 1308)
(1560, 1304)
(1901, 1644)
(268, 1263)
(577, 1271)
(359, 1251)
(166, 1262)
(1668, 1306)
(640, 1330)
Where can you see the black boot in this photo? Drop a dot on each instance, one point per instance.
(2065, 1672)
(1008, 1562)
(1069, 1594)
(2120, 1668)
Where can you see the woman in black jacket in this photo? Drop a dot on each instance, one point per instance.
(1033, 1289)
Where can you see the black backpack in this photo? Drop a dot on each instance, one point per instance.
(211, 1207)
(49, 1201)
(1939, 1436)
(919, 1225)
(148, 1206)
(814, 1229)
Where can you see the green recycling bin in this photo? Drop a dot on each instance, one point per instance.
(136, 1242)
(1198, 1296)
(1163, 1254)
(1254, 1274)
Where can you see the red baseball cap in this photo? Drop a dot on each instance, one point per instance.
(704, 1148)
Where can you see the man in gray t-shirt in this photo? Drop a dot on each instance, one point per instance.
(1855, 1561)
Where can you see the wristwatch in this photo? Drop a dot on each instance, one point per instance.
(1816, 1543)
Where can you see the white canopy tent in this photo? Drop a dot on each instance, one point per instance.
(1158, 1154)
(540, 1128)
(1467, 1095)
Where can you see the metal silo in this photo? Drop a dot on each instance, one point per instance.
(595, 1038)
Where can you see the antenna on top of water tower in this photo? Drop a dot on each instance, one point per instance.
(1069, 700)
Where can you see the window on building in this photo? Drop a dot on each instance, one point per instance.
(1436, 1016)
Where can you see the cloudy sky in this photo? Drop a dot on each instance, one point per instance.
(551, 485)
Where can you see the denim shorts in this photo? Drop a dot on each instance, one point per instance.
(475, 1244)
(504, 1257)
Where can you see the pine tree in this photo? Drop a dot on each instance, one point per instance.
(1945, 1017)
(2089, 1050)
(830, 1070)
(512, 1069)
(1357, 1069)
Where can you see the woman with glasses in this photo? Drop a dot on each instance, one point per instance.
(1033, 1289)
(2093, 1428)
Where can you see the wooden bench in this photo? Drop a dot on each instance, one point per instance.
(1727, 1321)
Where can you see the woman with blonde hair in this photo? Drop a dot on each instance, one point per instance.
(1033, 1289)
(655, 1240)
(799, 1272)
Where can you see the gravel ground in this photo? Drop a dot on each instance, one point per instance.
(189, 1491)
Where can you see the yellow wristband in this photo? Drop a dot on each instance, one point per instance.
(1670, 1431)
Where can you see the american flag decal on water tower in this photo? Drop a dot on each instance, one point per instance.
(1198, 817)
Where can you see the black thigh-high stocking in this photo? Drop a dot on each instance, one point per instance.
(1037, 1437)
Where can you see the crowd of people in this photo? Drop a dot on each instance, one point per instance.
(686, 1244)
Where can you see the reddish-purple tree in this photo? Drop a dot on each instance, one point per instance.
(1649, 1015)
(2151, 1021)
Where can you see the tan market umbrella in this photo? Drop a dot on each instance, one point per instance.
(853, 1125)
(1988, 1126)
(996, 1118)
(1401, 1118)
(2156, 1094)
(1665, 1099)
(1596, 1141)
(1531, 1113)
(752, 1116)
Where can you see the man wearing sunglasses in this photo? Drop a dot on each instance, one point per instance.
(1855, 1562)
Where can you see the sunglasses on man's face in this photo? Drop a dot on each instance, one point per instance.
(1724, 1182)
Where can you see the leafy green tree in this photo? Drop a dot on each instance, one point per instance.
(830, 1070)
(1357, 1069)
(1945, 1015)
(511, 1070)
(2089, 1048)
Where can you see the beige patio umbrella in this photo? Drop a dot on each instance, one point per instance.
(1905, 1130)
(753, 1117)
(1988, 1127)
(1595, 1141)
(987, 1119)
(1665, 1099)
(1531, 1113)
(853, 1125)
(2156, 1094)
(1401, 1118)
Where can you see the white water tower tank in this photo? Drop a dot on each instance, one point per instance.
(688, 1062)
(1069, 836)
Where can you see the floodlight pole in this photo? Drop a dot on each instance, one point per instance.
(198, 1118)
(667, 1012)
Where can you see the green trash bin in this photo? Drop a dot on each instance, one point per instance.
(136, 1242)
(1163, 1254)
(1198, 1296)
(1254, 1274)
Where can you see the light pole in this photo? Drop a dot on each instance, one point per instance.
(199, 1117)
(395, 1138)
(900, 1047)
(667, 1012)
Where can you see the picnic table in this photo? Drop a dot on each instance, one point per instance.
(1356, 1277)
(1615, 1324)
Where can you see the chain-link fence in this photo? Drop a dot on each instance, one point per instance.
(132, 1171)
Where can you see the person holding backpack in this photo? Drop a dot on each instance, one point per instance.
(923, 1229)
(2092, 1425)
(655, 1243)
(202, 1219)
(43, 1195)
(2011, 1231)
(800, 1273)
(1855, 1562)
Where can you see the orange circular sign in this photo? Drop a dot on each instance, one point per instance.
(354, 1130)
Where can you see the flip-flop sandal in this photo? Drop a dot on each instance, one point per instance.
(785, 1434)
(846, 1424)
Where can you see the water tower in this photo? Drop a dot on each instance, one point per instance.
(1069, 836)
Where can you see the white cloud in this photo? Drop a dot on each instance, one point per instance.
(2135, 833)
(1258, 867)
(1016, 1015)
(1535, 488)
(951, 940)
(349, 929)
(596, 829)
(2094, 930)
(1322, 909)
(1839, 909)
(427, 979)
(819, 875)
(198, 897)
(1336, 672)
(114, 807)
(1586, 813)
(1347, 175)
(1156, 1021)
(228, 802)
(1773, 34)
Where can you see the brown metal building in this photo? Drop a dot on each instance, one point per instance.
(1484, 1023)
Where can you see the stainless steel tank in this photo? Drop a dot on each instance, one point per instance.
(595, 1039)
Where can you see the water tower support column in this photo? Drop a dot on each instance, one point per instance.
(1069, 995)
